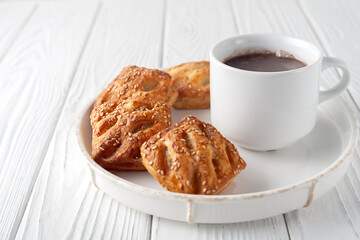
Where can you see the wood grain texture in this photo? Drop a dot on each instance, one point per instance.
(193, 27)
(270, 228)
(64, 202)
(36, 74)
(13, 19)
(342, 203)
(336, 24)
(325, 219)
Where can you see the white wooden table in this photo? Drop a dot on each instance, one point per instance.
(55, 56)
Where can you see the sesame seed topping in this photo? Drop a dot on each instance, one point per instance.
(204, 182)
(204, 190)
(188, 182)
(151, 163)
(162, 172)
(102, 149)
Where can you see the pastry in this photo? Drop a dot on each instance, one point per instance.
(133, 80)
(128, 112)
(120, 130)
(191, 157)
(192, 82)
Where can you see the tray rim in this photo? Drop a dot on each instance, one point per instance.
(349, 149)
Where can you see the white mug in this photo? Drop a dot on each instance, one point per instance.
(268, 110)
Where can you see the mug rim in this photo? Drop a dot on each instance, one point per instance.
(214, 58)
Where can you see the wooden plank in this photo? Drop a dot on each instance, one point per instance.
(288, 17)
(336, 24)
(64, 203)
(13, 18)
(270, 228)
(190, 32)
(36, 74)
(322, 220)
(189, 35)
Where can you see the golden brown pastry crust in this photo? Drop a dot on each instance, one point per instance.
(191, 157)
(126, 114)
(133, 80)
(192, 81)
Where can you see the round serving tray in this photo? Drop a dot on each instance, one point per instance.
(273, 182)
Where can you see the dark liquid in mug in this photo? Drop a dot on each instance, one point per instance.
(265, 62)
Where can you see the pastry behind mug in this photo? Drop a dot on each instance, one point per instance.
(192, 81)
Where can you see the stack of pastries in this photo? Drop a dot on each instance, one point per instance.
(131, 122)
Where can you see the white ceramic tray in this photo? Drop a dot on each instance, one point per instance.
(273, 182)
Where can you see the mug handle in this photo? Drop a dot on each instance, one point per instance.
(344, 81)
